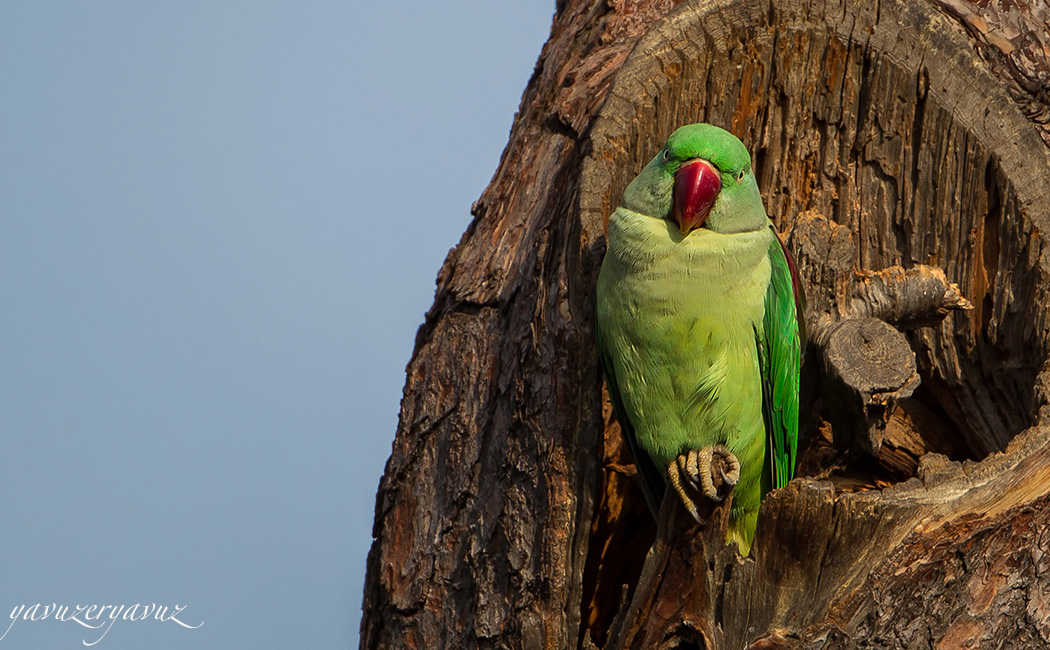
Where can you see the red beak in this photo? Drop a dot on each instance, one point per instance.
(696, 186)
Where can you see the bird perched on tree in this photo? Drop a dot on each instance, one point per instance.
(700, 329)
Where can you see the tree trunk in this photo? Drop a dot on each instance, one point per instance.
(904, 133)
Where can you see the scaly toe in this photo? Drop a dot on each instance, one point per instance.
(674, 473)
(689, 465)
(728, 466)
(706, 475)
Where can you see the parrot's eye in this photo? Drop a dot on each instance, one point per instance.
(667, 154)
(740, 176)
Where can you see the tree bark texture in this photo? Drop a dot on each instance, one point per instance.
(913, 134)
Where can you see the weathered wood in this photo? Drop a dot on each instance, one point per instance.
(868, 369)
(920, 296)
(501, 515)
(866, 366)
(675, 601)
(958, 555)
(1013, 39)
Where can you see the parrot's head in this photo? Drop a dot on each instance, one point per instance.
(701, 178)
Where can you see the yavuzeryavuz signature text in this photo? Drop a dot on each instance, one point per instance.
(96, 617)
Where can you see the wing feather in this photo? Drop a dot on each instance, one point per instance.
(780, 345)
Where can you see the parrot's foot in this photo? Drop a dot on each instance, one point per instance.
(711, 472)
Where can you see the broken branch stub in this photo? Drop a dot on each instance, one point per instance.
(907, 299)
(868, 367)
(867, 364)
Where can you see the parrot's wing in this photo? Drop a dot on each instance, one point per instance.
(780, 345)
(650, 477)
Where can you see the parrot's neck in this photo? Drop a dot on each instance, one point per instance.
(639, 242)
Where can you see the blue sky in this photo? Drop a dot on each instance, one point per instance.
(220, 224)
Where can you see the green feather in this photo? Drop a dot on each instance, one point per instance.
(780, 345)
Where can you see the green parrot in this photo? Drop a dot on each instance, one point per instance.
(700, 329)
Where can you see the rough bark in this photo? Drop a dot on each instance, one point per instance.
(508, 515)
